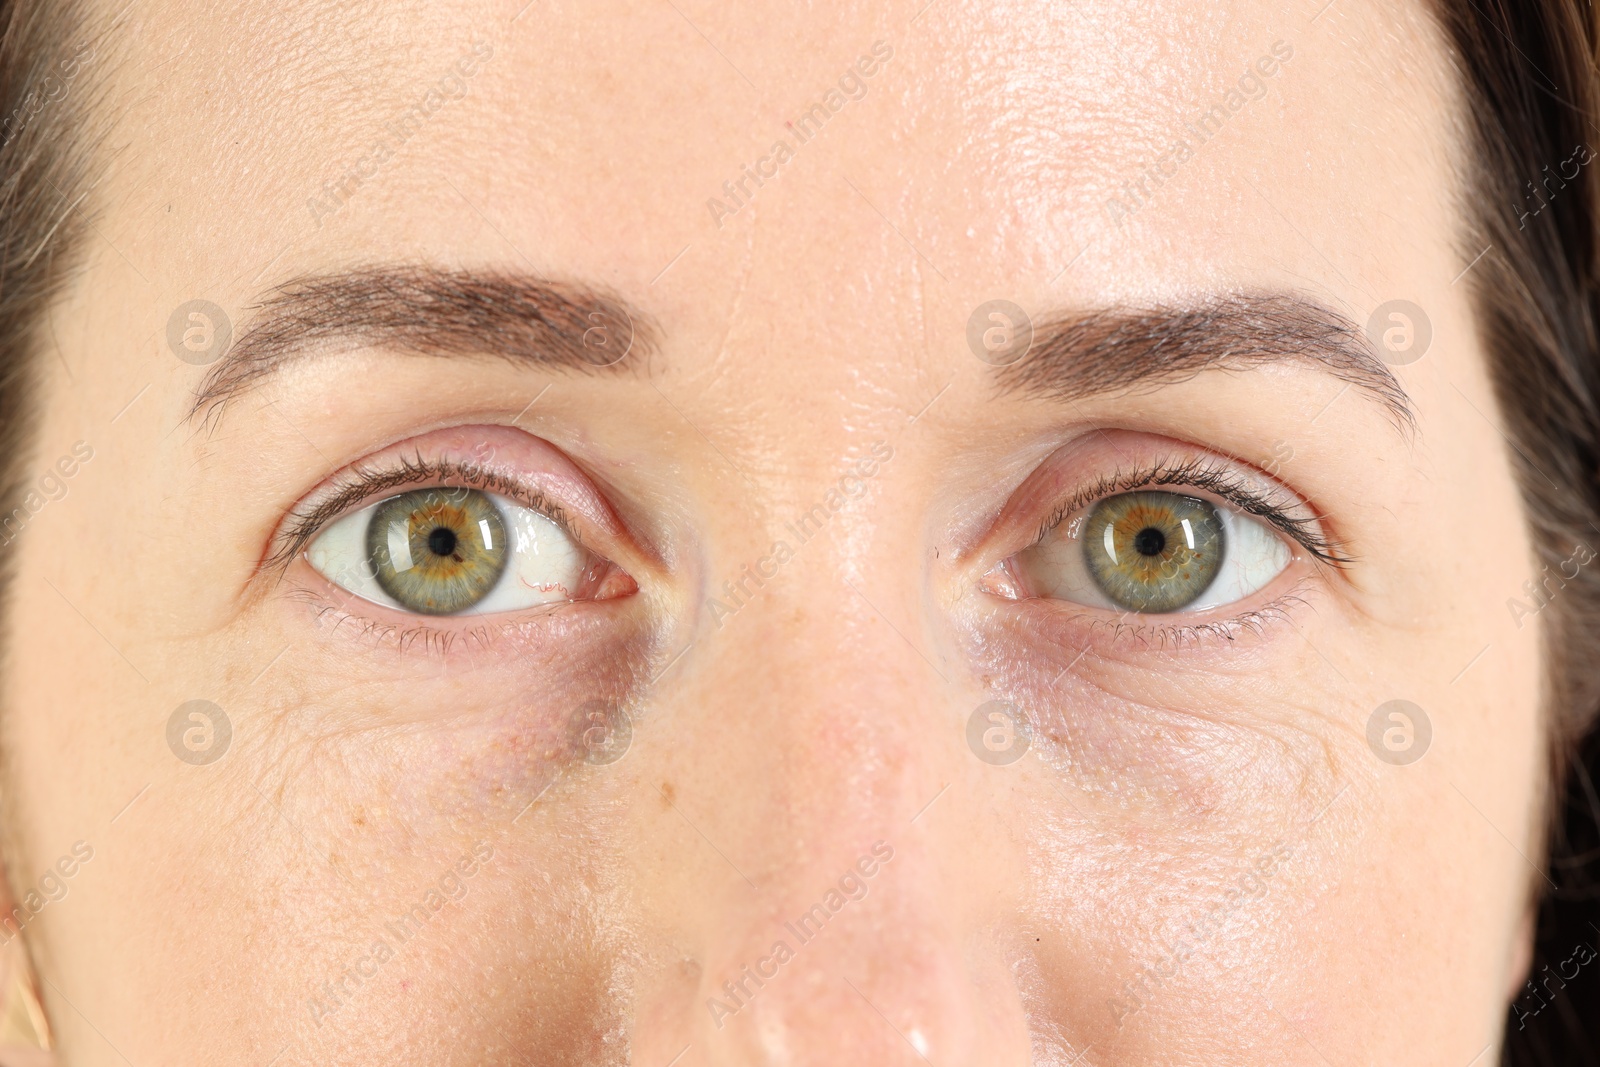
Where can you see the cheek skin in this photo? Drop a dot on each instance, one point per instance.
(520, 966)
(1179, 825)
(436, 740)
(1189, 739)
(361, 782)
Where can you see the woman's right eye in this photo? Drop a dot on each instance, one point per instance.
(459, 551)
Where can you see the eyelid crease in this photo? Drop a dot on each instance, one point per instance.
(1215, 477)
(361, 483)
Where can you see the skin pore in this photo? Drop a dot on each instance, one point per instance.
(1199, 860)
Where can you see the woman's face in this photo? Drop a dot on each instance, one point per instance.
(820, 535)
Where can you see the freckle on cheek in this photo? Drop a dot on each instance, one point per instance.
(523, 755)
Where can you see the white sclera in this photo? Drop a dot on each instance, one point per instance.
(544, 567)
(1253, 555)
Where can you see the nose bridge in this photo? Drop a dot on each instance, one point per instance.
(840, 946)
(837, 701)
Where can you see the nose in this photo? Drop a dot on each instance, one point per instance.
(850, 918)
(866, 969)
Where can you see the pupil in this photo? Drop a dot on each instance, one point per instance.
(1147, 542)
(442, 541)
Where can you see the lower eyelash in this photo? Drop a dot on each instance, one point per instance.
(1252, 623)
(1215, 478)
(434, 640)
(1078, 632)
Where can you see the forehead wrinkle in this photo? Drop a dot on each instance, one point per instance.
(1120, 349)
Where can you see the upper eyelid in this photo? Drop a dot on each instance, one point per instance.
(362, 485)
(1215, 475)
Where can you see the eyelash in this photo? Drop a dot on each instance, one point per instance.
(1216, 478)
(361, 484)
(1176, 635)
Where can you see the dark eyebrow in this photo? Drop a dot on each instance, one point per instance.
(429, 311)
(1122, 349)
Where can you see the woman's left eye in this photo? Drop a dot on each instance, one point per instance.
(1152, 552)
(454, 551)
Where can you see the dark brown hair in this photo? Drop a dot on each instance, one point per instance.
(45, 178)
(1527, 71)
(46, 146)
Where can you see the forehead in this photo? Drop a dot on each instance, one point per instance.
(824, 173)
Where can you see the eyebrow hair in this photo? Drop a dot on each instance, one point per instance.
(1116, 350)
(429, 311)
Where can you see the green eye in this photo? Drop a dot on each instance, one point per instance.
(437, 551)
(1153, 551)
(451, 550)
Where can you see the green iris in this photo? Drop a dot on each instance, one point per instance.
(1153, 551)
(437, 551)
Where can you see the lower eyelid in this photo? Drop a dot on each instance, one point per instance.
(1060, 630)
(1154, 714)
(535, 632)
